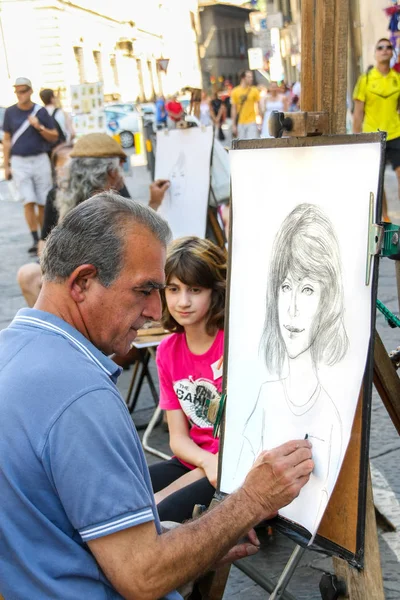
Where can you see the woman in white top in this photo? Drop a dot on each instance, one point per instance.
(274, 100)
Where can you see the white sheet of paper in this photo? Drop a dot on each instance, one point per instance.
(263, 409)
(183, 156)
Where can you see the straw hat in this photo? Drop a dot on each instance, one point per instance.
(97, 145)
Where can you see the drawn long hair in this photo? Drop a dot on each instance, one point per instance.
(178, 169)
(306, 246)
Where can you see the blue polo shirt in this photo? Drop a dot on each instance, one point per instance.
(31, 142)
(71, 464)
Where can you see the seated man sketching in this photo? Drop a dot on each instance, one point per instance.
(78, 518)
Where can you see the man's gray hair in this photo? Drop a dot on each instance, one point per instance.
(93, 233)
(85, 177)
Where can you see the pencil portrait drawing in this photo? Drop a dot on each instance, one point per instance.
(177, 177)
(303, 331)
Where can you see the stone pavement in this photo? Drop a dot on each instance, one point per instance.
(384, 447)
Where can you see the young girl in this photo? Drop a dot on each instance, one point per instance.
(190, 372)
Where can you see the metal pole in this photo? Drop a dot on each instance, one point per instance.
(287, 573)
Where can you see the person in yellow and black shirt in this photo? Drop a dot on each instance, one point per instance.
(376, 103)
(245, 107)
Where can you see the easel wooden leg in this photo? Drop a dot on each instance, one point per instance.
(365, 583)
(219, 236)
(212, 585)
(386, 381)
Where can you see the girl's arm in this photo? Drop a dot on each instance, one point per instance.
(178, 484)
(186, 449)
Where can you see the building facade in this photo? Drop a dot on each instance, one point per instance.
(224, 41)
(58, 43)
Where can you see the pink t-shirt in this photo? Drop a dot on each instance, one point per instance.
(188, 381)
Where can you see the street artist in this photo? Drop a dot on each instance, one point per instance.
(78, 518)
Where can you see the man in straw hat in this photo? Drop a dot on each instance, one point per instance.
(94, 166)
(29, 131)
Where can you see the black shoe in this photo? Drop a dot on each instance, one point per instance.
(33, 249)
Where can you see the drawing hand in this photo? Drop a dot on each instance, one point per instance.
(157, 191)
(278, 475)
(210, 468)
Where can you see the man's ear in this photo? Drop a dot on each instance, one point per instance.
(80, 281)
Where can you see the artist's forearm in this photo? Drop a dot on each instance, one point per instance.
(195, 546)
(233, 113)
(186, 449)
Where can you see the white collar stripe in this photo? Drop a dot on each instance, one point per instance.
(119, 523)
(51, 327)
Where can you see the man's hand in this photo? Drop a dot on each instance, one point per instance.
(242, 549)
(157, 191)
(210, 468)
(278, 475)
(34, 121)
(234, 130)
(7, 172)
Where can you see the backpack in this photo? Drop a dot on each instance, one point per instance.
(61, 135)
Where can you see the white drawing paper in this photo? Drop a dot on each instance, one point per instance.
(183, 156)
(300, 312)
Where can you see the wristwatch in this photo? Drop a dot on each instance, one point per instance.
(41, 128)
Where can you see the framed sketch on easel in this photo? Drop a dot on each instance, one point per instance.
(300, 314)
(183, 156)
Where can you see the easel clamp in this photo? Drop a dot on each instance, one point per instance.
(375, 239)
(300, 124)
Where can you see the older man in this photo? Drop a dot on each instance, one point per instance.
(95, 166)
(78, 518)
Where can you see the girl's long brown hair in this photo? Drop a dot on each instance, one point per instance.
(199, 263)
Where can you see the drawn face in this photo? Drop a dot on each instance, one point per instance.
(298, 302)
(188, 305)
(178, 179)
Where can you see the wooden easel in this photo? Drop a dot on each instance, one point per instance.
(325, 25)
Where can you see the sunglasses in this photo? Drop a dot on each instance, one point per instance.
(384, 47)
(22, 91)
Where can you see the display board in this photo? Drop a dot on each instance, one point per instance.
(87, 102)
(183, 157)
